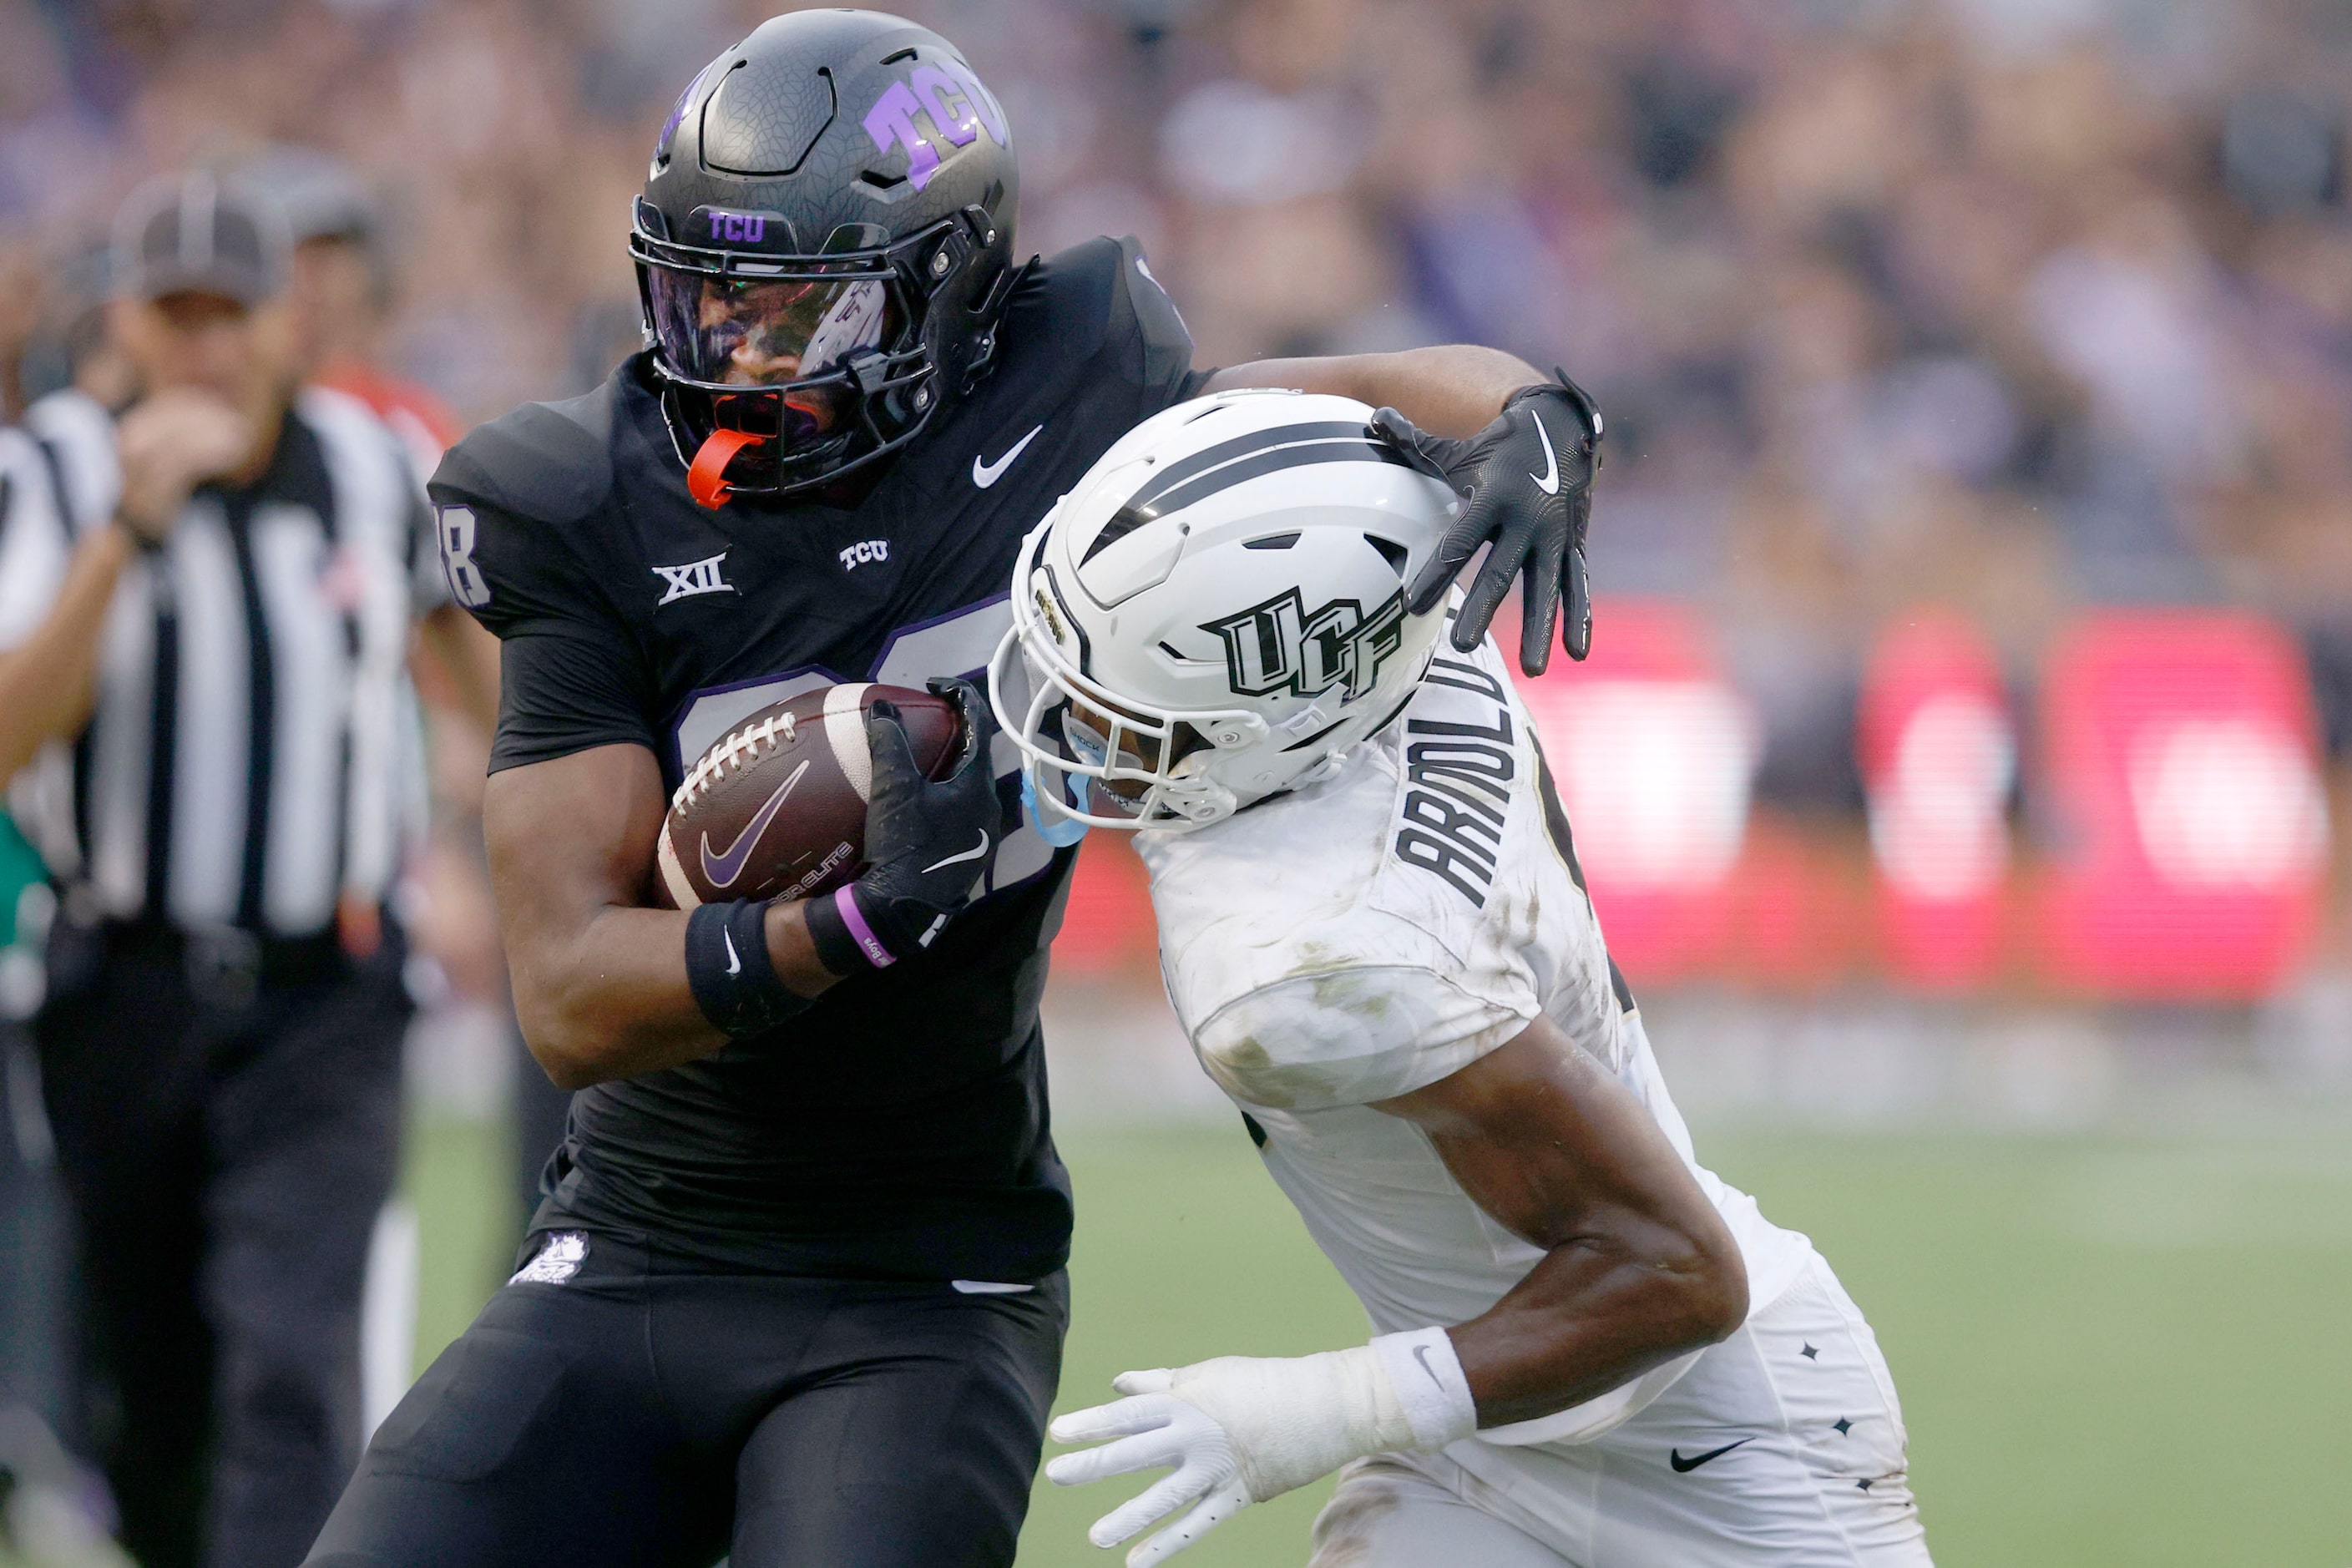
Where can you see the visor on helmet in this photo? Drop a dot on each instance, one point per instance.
(738, 330)
(791, 335)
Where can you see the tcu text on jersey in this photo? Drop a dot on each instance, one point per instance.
(1458, 778)
(1277, 646)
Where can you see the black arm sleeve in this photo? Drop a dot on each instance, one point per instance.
(560, 692)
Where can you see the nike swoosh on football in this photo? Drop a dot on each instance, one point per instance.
(1684, 1467)
(1549, 480)
(972, 853)
(986, 474)
(723, 867)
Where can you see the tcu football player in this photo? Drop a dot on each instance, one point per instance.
(1590, 1351)
(796, 1289)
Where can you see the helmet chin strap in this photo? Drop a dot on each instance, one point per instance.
(705, 477)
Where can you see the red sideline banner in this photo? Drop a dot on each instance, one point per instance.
(2177, 784)
(2181, 766)
(1654, 753)
(1939, 757)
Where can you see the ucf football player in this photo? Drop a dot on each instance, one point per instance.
(1589, 1350)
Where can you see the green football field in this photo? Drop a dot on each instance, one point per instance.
(2111, 1349)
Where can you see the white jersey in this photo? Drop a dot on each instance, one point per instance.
(1370, 934)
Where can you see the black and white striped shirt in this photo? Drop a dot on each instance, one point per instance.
(255, 751)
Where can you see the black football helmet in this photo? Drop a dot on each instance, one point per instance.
(824, 249)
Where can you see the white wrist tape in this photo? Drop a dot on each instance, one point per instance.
(1430, 1384)
(1298, 1419)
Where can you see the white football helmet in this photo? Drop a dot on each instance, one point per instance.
(1216, 608)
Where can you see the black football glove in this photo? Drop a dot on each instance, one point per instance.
(927, 842)
(1527, 478)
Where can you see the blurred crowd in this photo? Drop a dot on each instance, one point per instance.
(2021, 304)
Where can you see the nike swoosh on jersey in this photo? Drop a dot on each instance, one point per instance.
(723, 867)
(986, 474)
(972, 853)
(1684, 1467)
(1549, 480)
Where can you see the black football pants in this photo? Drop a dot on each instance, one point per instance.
(228, 1139)
(646, 1412)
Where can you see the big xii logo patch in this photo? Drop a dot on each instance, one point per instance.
(1279, 646)
(693, 577)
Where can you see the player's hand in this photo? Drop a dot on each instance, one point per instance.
(1527, 481)
(168, 445)
(1237, 1430)
(927, 842)
(1153, 1429)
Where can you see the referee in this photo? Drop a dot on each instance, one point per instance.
(207, 601)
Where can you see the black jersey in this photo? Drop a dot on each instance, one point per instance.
(897, 1127)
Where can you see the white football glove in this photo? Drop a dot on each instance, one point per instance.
(1241, 1429)
(1156, 1430)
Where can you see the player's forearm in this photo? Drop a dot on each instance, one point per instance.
(1638, 1269)
(613, 1001)
(1451, 390)
(1597, 1313)
(599, 982)
(616, 1001)
(49, 682)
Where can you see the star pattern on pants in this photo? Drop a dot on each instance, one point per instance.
(1810, 1352)
(1843, 1426)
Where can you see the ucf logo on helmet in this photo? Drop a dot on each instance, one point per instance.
(1279, 646)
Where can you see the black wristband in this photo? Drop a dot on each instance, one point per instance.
(841, 948)
(734, 979)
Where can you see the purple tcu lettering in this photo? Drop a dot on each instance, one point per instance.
(892, 123)
(953, 99)
(992, 117)
(952, 111)
(740, 229)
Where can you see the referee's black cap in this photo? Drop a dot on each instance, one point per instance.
(198, 233)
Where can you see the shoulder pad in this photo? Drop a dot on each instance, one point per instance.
(1100, 300)
(548, 461)
(1069, 299)
(1353, 1034)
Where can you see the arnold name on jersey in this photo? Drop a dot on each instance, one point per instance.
(1458, 771)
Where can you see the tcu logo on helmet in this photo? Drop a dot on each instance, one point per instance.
(744, 228)
(948, 95)
(1279, 646)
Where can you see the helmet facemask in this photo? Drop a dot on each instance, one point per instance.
(1098, 757)
(781, 373)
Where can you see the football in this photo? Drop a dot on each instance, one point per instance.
(776, 808)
